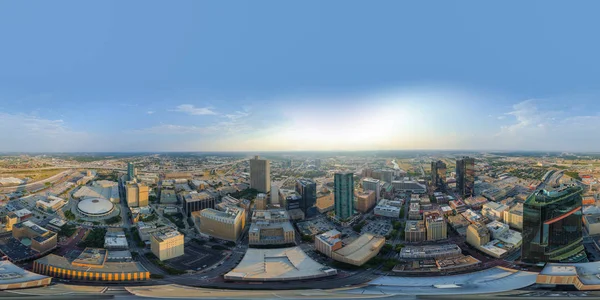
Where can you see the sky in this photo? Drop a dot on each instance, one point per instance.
(299, 75)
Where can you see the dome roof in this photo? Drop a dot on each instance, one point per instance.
(95, 206)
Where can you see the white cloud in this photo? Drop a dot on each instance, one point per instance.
(171, 129)
(195, 111)
(150, 112)
(24, 132)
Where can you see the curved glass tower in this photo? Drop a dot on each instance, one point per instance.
(552, 226)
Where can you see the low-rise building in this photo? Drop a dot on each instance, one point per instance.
(40, 239)
(494, 211)
(271, 227)
(430, 251)
(502, 232)
(328, 242)
(50, 203)
(592, 223)
(91, 265)
(13, 277)
(414, 211)
(115, 239)
(196, 201)
(260, 202)
(168, 196)
(167, 243)
(409, 186)
(360, 250)
(414, 231)
(472, 216)
(476, 202)
(365, 201)
(458, 206)
(388, 208)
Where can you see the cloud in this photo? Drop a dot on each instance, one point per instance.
(194, 111)
(150, 112)
(25, 132)
(170, 129)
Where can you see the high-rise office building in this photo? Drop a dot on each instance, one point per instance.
(344, 195)
(274, 194)
(465, 176)
(130, 171)
(387, 175)
(552, 226)
(137, 194)
(318, 163)
(438, 175)
(370, 184)
(260, 175)
(308, 191)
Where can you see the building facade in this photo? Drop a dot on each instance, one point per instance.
(226, 225)
(436, 226)
(260, 174)
(198, 201)
(370, 184)
(137, 194)
(308, 191)
(344, 195)
(415, 231)
(328, 242)
(478, 235)
(166, 243)
(465, 176)
(552, 226)
(438, 175)
(365, 201)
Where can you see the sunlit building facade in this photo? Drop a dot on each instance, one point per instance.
(465, 176)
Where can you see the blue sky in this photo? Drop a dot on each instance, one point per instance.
(305, 75)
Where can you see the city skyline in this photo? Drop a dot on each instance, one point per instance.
(220, 79)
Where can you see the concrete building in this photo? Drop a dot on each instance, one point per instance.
(388, 208)
(370, 184)
(478, 235)
(409, 186)
(328, 242)
(359, 251)
(494, 210)
(271, 227)
(91, 265)
(503, 233)
(50, 203)
(115, 239)
(415, 231)
(387, 175)
(436, 226)
(14, 277)
(514, 216)
(260, 174)
(137, 194)
(274, 194)
(260, 202)
(365, 201)
(226, 225)
(166, 243)
(9, 221)
(307, 189)
(429, 251)
(592, 223)
(196, 201)
(414, 211)
(36, 237)
(344, 195)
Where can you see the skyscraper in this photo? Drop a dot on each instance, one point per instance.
(130, 171)
(260, 175)
(308, 191)
(344, 195)
(465, 176)
(552, 230)
(438, 174)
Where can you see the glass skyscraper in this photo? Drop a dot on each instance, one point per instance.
(344, 195)
(552, 226)
(465, 176)
(130, 171)
(308, 191)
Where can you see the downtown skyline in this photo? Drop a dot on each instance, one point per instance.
(208, 77)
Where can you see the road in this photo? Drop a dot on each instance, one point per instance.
(32, 186)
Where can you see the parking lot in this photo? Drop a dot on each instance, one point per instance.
(195, 258)
(378, 227)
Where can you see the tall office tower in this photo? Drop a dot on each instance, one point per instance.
(465, 176)
(308, 191)
(260, 174)
(344, 195)
(387, 175)
(438, 175)
(130, 171)
(552, 230)
(133, 194)
(370, 184)
(318, 163)
(274, 194)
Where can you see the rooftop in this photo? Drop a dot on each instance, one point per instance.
(165, 234)
(330, 237)
(361, 247)
(10, 273)
(278, 265)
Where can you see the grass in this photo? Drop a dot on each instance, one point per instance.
(70, 215)
(113, 220)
